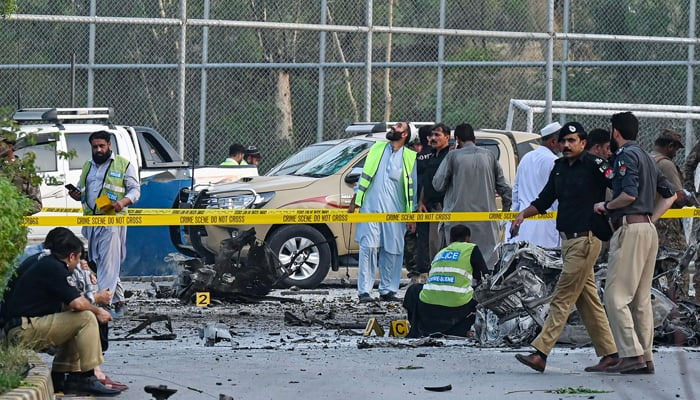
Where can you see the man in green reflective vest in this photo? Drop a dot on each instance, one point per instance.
(445, 304)
(387, 185)
(236, 152)
(111, 175)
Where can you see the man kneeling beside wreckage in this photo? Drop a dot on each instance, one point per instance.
(445, 303)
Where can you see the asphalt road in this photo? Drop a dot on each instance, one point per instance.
(273, 360)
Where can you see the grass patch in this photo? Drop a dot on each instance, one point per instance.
(14, 360)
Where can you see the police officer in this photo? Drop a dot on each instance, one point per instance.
(35, 317)
(633, 246)
(445, 302)
(22, 179)
(578, 180)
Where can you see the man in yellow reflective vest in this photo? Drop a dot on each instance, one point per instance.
(445, 304)
(387, 184)
(236, 152)
(111, 175)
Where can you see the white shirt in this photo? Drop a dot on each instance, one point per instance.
(530, 178)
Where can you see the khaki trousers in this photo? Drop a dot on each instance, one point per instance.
(435, 240)
(75, 332)
(576, 285)
(633, 250)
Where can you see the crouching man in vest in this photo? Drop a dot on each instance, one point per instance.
(111, 175)
(445, 303)
(387, 185)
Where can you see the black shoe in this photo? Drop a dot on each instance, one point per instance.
(390, 297)
(59, 381)
(89, 385)
(365, 298)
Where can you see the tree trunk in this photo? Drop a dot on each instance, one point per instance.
(346, 71)
(283, 101)
(387, 71)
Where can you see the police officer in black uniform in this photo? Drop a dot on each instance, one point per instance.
(35, 316)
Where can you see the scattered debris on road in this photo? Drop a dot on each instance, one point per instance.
(445, 388)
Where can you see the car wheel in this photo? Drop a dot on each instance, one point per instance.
(312, 264)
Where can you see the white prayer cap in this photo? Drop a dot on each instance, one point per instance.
(554, 127)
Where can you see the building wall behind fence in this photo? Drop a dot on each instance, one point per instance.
(133, 66)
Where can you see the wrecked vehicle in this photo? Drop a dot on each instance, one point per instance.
(514, 299)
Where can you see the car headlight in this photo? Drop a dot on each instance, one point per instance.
(240, 201)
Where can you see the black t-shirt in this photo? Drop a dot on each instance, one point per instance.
(23, 267)
(430, 167)
(42, 289)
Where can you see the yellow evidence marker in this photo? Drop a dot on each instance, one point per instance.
(399, 328)
(202, 299)
(373, 325)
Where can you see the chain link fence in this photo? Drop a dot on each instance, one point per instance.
(248, 78)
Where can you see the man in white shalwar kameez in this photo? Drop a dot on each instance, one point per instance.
(531, 176)
(388, 184)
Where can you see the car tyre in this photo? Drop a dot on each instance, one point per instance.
(314, 263)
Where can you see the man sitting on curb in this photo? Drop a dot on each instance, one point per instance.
(36, 318)
(444, 304)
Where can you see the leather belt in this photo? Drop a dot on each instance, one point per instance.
(575, 235)
(631, 219)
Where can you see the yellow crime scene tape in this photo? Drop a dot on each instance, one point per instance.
(160, 217)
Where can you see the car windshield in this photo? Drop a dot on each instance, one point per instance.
(334, 159)
(295, 161)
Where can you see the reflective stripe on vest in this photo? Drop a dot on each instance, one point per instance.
(113, 185)
(450, 281)
(374, 157)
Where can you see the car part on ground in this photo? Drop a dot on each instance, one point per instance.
(514, 300)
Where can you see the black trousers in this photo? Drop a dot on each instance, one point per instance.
(426, 319)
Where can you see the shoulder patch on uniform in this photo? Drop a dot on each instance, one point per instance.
(71, 281)
(623, 169)
(598, 160)
(609, 173)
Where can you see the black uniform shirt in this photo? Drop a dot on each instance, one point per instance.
(42, 289)
(577, 187)
(431, 166)
(636, 174)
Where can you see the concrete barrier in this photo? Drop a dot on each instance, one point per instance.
(38, 383)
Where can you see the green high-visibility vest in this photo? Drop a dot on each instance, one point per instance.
(113, 185)
(450, 281)
(228, 163)
(374, 157)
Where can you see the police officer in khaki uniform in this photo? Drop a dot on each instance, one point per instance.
(34, 316)
(633, 246)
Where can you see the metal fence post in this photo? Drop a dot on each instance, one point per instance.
(91, 57)
(549, 68)
(203, 88)
(321, 73)
(564, 57)
(689, 135)
(440, 69)
(181, 80)
(368, 64)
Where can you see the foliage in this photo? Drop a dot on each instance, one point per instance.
(14, 359)
(8, 7)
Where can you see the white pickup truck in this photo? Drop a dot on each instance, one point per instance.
(56, 131)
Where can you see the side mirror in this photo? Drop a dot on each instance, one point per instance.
(353, 176)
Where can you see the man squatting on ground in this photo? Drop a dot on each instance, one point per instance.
(387, 185)
(46, 309)
(445, 302)
(578, 180)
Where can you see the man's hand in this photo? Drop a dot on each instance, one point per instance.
(103, 296)
(102, 316)
(422, 207)
(411, 226)
(681, 199)
(352, 207)
(75, 195)
(599, 208)
(84, 265)
(121, 204)
(515, 225)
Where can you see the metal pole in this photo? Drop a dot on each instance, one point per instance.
(564, 56)
(689, 135)
(440, 69)
(203, 89)
(321, 73)
(91, 57)
(72, 80)
(549, 69)
(181, 80)
(368, 64)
